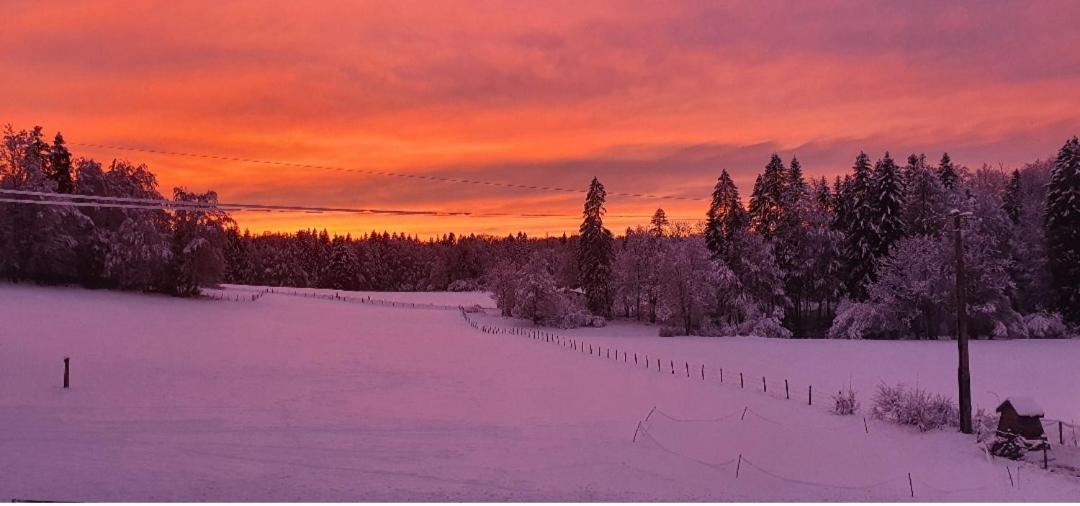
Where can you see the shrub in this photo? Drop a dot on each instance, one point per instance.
(985, 426)
(858, 320)
(844, 402)
(914, 407)
(1044, 325)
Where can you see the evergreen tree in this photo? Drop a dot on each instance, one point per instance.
(1013, 199)
(725, 217)
(860, 227)
(947, 172)
(887, 203)
(595, 252)
(767, 201)
(924, 200)
(60, 165)
(659, 223)
(1063, 229)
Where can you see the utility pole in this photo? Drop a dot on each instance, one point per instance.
(963, 371)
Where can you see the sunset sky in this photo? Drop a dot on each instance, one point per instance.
(652, 97)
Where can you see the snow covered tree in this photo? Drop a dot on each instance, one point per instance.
(537, 298)
(60, 165)
(1012, 203)
(595, 252)
(691, 281)
(886, 204)
(1063, 229)
(947, 173)
(924, 201)
(197, 241)
(860, 227)
(725, 218)
(767, 201)
(636, 275)
(343, 270)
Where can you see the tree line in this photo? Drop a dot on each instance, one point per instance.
(867, 255)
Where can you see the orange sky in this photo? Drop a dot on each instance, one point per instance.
(652, 97)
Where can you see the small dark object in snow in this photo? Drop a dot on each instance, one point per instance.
(1021, 416)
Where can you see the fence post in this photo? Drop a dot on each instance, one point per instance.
(787, 391)
(635, 358)
(764, 386)
(738, 466)
(810, 396)
(1045, 462)
(687, 369)
(741, 384)
(721, 375)
(702, 372)
(672, 367)
(657, 365)
(910, 485)
(1061, 433)
(67, 363)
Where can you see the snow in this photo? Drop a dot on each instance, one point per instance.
(1025, 406)
(316, 399)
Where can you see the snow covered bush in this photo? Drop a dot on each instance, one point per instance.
(463, 285)
(690, 283)
(915, 407)
(769, 327)
(985, 425)
(859, 320)
(844, 402)
(1043, 325)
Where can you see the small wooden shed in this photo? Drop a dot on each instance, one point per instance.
(1021, 416)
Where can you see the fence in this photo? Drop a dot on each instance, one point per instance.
(739, 464)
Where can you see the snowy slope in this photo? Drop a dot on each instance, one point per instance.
(294, 398)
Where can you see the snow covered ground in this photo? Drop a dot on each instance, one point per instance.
(303, 398)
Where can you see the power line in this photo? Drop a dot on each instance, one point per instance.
(228, 206)
(372, 172)
(95, 201)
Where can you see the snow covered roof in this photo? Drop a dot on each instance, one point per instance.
(1024, 406)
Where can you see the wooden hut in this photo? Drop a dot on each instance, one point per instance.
(1021, 416)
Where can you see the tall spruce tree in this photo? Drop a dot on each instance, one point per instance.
(947, 172)
(924, 199)
(60, 165)
(1012, 202)
(595, 252)
(887, 204)
(659, 223)
(767, 201)
(860, 227)
(1063, 229)
(725, 217)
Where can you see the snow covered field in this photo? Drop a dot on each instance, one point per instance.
(301, 398)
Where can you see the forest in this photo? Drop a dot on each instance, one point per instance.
(871, 254)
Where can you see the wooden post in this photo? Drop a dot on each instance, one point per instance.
(702, 372)
(865, 425)
(764, 386)
(1011, 482)
(810, 396)
(657, 365)
(672, 367)
(738, 466)
(787, 392)
(1045, 462)
(910, 485)
(687, 369)
(1061, 433)
(635, 358)
(721, 375)
(67, 363)
(741, 384)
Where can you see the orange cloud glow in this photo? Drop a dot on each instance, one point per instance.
(652, 97)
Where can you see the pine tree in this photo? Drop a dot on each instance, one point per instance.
(767, 201)
(924, 199)
(659, 223)
(947, 172)
(887, 203)
(860, 227)
(1013, 200)
(1063, 229)
(60, 165)
(725, 217)
(595, 252)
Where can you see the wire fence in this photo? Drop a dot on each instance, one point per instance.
(900, 485)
